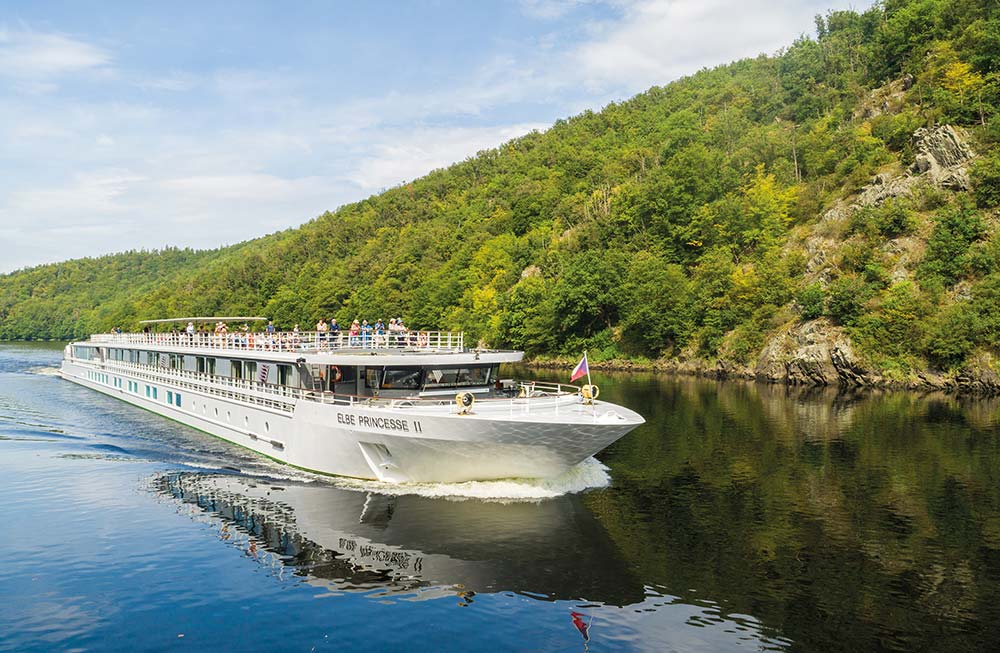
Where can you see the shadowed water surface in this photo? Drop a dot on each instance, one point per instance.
(740, 517)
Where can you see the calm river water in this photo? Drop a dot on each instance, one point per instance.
(740, 517)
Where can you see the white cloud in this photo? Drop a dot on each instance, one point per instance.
(657, 41)
(548, 9)
(86, 194)
(407, 155)
(177, 82)
(29, 55)
(240, 187)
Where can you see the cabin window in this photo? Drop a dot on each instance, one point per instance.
(83, 353)
(372, 378)
(284, 374)
(401, 378)
(205, 365)
(457, 377)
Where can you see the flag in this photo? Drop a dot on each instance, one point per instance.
(262, 373)
(581, 369)
(581, 625)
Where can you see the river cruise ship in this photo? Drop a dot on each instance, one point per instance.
(397, 407)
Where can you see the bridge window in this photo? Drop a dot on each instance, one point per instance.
(401, 378)
(457, 377)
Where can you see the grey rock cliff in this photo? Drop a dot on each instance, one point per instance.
(812, 353)
(942, 157)
(942, 154)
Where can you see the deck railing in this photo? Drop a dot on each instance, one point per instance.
(289, 341)
(525, 394)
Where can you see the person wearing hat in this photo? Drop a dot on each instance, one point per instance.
(393, 332)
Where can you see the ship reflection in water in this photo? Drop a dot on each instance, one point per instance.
(410, 546)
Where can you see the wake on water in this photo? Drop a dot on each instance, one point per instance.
(44, 371)
(587, 475)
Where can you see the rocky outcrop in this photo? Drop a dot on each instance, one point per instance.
(812, 353)
(884, 187)
(942, 157)
(979, 376)
(942, 154)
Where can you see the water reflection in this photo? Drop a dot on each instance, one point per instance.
(828, 520)
(858, 520)
(414, 546)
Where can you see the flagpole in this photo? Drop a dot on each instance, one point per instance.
(587, 363)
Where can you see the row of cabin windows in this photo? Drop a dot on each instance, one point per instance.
(280, 373)
(391, 378)
(152, 392)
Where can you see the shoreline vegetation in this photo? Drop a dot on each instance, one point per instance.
(966, 383)
(828, 215)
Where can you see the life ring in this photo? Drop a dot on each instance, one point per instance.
(336, 374)
(590, 393)
(465, 400)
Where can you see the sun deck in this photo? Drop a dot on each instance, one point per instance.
(304, 342)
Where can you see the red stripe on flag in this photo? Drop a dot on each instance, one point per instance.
(581, 369)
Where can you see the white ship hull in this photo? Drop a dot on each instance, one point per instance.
(513, 438)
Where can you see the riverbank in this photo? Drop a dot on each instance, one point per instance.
(812, 353)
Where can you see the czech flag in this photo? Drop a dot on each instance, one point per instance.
(581, 369)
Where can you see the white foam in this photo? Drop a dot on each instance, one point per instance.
(44, 371)
(589, 474)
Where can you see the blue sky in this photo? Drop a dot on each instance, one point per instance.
(128, 125)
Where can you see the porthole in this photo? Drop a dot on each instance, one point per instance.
(246, 420)
(267, 427)
(229, 416)
(216, 412)
(204, 409)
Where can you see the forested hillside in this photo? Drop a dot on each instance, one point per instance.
(771, 205)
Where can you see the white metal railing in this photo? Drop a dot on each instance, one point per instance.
(281, 397)
(290, 341)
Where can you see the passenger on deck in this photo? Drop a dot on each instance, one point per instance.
(321, 328)
(334, 332)
(393, 332)
(354, 333)
(366, 333)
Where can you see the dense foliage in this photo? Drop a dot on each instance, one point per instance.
(670, 222)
